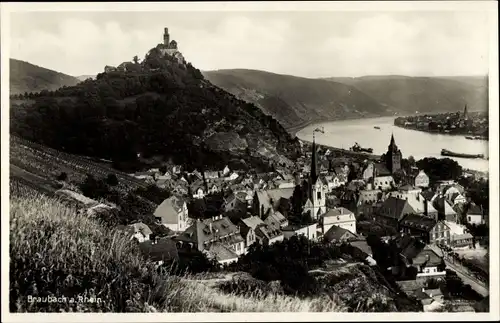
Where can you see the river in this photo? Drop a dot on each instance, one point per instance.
(343, 134)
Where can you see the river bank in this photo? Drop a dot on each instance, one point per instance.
(343, 134)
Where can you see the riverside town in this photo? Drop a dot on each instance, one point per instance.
(152, 186)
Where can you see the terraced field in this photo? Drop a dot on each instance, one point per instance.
(38, 166)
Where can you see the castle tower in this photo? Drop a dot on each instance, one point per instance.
(166, 37)
(393, 156)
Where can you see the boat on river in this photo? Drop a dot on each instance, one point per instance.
(359, 149)
(445, 152)
(377, 127)
(469, 137)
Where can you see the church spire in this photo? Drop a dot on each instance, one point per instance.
(314, 166)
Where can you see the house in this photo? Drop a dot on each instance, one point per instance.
(361, 244)
(422, 180)
(407, 192)
(202, 235)
(393, 210)
(332, 181)
(369, 195)
(456, 198)
(159, 250)
(257, 230)
(307, 230)
(384, 182)
(429, 263)
(427, 229)
(265, 200)
(444, 209)
(221, 253)
(236, 202)
(247, 230)
(211, 175)
(340, 217)
(338, 234)
(233, 176)
(422, 206)
(474, 214)
(139, 231)
(173, 214)
(462, 240)
(278, 218)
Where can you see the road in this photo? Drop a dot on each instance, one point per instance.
(477, 285)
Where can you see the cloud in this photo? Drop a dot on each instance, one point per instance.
(311, 44)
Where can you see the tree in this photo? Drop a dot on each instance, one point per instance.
(298, 201)
(62, 177)
(112, 180)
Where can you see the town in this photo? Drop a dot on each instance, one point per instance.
(416, 229)
(222, 213)
(474, 125)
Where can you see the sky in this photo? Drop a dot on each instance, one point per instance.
(308, 44)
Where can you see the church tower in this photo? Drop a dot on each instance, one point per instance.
(466, 116)
(393, 156)
(316, 191)
(166, 37)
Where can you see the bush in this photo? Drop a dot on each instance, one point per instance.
(112, 180)
(62, 177)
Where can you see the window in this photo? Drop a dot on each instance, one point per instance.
(319, 195)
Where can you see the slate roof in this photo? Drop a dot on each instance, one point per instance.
(221, 252)
(381, 169)
(277, 217)
(394, 207)
(474, 209)
(430, 256)
(362, 245)
(428, 195)
(337, 233)
(419, 222)
(199, 233)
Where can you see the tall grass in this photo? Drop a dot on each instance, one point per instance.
(56, 253)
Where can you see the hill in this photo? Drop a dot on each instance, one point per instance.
(160, 107)
(404, 94)
(55, 252)
(84, 77)
(295, 101)
(26, 77)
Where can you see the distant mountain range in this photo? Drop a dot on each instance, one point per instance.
(297, 101)
(26, 77)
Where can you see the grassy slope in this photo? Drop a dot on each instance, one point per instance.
(425, 94)
(294, 100)
(26, 77)
(55, 252)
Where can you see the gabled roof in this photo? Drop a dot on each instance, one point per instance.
(169, 209)
(474, 209)
(337, 233)
(221, 252)
(252, 222)
(430, 256)
(199, 233)
(277, 217)
(381, 169)
(395, 207)
(428, 195)
(408, 187)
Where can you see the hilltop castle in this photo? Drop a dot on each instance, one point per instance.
(169, 47)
